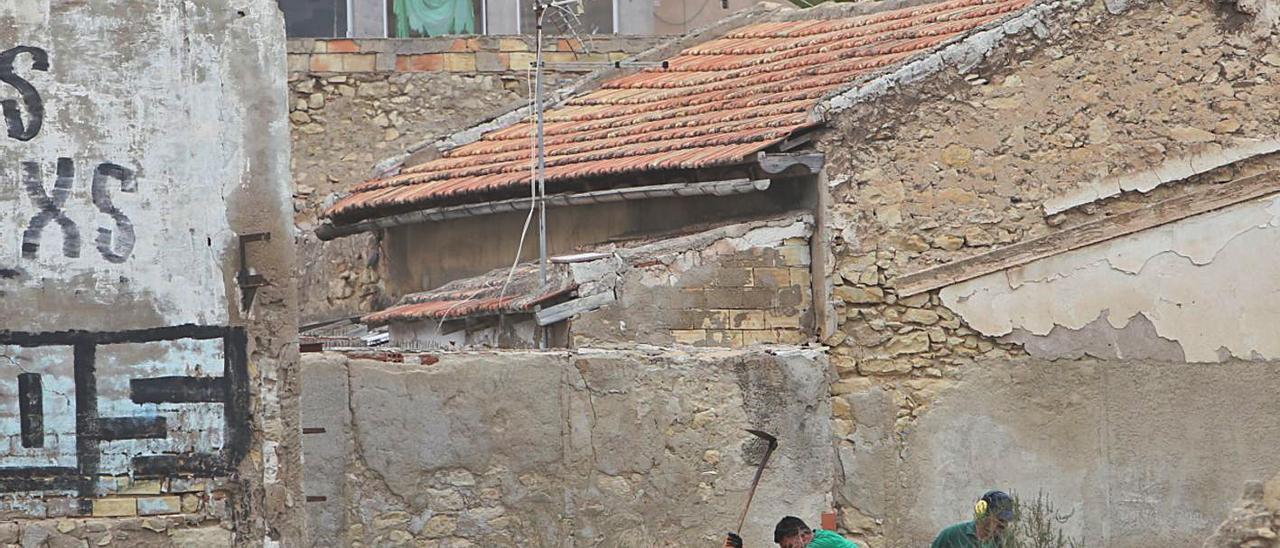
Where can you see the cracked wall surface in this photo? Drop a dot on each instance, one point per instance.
(616, 448)
(139, 382)
(1097, 109)
(1203, 283)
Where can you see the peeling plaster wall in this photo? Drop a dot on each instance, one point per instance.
(141, 140)
(593, 448)
(1145, 454)
(1092, 109)
(1206, 283)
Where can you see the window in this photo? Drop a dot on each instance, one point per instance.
(315, 18)
(596, 18)
(419, 18)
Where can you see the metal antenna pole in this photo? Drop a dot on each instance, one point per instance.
(539, 9)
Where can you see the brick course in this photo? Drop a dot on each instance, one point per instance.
(463, 55)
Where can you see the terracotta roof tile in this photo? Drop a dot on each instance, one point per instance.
(484, 295)
(717, 103)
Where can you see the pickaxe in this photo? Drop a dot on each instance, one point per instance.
(773, 444)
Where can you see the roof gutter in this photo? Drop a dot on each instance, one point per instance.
(328, 230)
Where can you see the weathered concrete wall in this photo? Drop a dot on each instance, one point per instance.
(1144, 453)
(556, 449)
(142, 140)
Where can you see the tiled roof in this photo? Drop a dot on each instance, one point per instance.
(717, 103)
(480, 296)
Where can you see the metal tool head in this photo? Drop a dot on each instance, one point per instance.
(773, 442)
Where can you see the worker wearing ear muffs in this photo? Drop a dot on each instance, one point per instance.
(992, 514)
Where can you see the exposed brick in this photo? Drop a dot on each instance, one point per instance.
(299, 62)
(747, 319)
(725, 338)
(697, 319)
(461, 45)
(746, 297)
(115, 507)
(774, 319)
(771, 277)
(731, 277)
(154, 506)
(794, 255)
(560, 57)
(487, 61)
(420, 63)
(326, 62)
(512, 45)
(342, 46)
(64, 507)
(521, 61)
(184, 485)
(791, 336)
(693, 298)
(569, 45)
(319, 46)
(759, 336)
(140, 487)
(690, 336)
(800, 277)
(460, 62)
(359, 62)
(792, 296)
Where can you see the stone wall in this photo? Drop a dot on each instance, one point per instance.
(1154, 101)
(740, 285)
(354, 103)
(622, 448)
(147, 350)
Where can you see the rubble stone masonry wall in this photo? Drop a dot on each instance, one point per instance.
(1096, 95)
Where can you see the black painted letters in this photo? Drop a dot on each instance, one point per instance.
(30, 97)
(118, 250)
(51, 208)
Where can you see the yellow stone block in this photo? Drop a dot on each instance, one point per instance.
(141, 487)
(114, 507)
(460, 62)
(522, 61)
(689, 336)
(747, 319)
(512, 45)
(761, 336)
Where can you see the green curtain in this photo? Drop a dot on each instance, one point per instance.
(434, 17)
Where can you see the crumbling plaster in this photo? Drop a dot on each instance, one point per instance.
(1203, 282)
(615, 448)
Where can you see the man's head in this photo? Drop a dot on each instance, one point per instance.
(791, 532)
(992, 514)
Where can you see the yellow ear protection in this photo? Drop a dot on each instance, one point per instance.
(980, 508)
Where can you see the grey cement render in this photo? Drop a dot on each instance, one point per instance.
(1146, 454)
(606, 448)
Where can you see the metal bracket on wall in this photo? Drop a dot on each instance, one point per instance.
(248, 281)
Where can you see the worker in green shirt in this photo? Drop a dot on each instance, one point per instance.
(991, 515)
(792, 532)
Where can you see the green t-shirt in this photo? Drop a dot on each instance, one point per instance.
(961, 535)
(828, 539)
